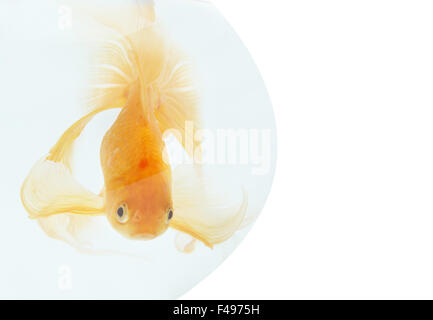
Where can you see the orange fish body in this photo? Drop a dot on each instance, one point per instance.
(137, 179)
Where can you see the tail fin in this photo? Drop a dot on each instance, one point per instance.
(178, 102)
(132, 53)
(112, 30)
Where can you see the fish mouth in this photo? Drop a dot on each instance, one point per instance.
(143, 236)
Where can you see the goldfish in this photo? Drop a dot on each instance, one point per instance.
(145, 77)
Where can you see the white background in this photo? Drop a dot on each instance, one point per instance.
(351, 212)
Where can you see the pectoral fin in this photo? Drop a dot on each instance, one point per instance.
(204, 209)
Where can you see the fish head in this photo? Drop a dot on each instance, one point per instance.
(141, 210)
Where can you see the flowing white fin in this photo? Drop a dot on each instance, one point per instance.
(178, 101)
(110, 77)
(203, 208)
(50, 187)
(109, 28)
(185, 243)
(84, 233)
(122, 17)
(75, 230)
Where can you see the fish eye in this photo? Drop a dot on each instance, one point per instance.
(169, 214)
(122, 213)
